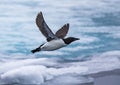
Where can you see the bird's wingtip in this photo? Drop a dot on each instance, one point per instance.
(40, 13)
(68, 24)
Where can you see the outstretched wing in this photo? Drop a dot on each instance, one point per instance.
(61, 33)
(43, 27)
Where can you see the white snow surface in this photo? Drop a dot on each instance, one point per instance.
(44, 70)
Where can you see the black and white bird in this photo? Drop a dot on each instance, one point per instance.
(54, 41)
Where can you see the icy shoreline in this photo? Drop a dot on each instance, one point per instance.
(46, 71)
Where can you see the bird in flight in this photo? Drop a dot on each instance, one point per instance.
(54, 41)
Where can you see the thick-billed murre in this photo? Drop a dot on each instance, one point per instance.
(54, 41)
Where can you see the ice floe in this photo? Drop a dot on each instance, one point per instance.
(44, 70)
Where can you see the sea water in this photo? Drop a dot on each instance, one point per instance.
(96, 23)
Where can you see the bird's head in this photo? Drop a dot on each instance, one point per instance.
(70, 40)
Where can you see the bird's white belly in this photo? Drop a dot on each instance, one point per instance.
(53, 45)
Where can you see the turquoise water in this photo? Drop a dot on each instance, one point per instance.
(96, 23)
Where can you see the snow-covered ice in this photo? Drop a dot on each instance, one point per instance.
(43, 70)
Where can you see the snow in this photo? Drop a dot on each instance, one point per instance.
(44, 70)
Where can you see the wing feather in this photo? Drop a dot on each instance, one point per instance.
(43, 27)
(61, 33)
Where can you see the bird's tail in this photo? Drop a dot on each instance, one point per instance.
(36, 50)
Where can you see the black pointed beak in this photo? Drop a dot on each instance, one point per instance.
(77, 38)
